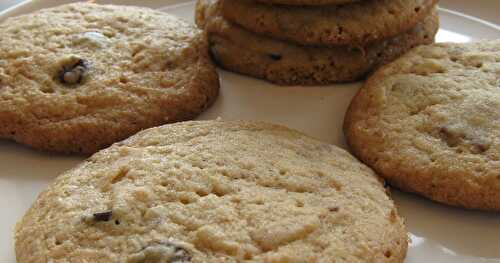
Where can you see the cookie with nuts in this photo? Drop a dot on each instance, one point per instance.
(79, 77)
(430, 123)
(214, 191)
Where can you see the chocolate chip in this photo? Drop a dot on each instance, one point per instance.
(480, 146)
(340, 30)
(167, 252)
(452, 137)
(275, 57)
(465, 138)
(386, 184)
(333, 209)
(181, 255)
(103, 216)
(73, 73)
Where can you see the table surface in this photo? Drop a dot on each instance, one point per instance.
(485, 9)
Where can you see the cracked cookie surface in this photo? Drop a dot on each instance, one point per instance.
(430, 123)
(78, 77)
(214, 191)
(354, 24)
(237, 49)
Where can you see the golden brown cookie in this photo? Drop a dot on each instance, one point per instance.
(283, 63)
(307, 2)
(350, 24)
(79, 77)
(214, 191)
(430, 123)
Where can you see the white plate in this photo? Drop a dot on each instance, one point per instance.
(439, 233)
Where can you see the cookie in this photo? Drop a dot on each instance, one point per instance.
(351, 24)
(214, 191)
(78, 77)
(287, 64)
(307, 2)
(430, 123)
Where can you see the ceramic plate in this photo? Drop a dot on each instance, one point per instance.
(438, 233)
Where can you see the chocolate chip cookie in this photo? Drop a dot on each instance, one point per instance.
(308, 2)
(283, 63)
(78, 77)
(430, 123)
(214, 191)
(350, 24)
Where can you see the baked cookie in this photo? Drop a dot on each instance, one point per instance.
(307, 2)
(79, 77)
(214, 191)
(352, 24)
(283, 63)
(430, 123)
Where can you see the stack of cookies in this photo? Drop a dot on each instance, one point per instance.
(311, 42)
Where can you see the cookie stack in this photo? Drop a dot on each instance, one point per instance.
(311, 42)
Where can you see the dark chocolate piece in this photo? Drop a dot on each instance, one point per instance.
(103, 216)
(164, 252)
(73, 74)
(275, 57)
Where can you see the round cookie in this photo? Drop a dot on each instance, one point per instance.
(214, 191)
(351, 24)
(430, 123)
(307, 2)
(283, 63)
(79, 77)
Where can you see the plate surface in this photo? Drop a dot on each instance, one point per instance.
(439, 233)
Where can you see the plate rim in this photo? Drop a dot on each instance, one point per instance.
(468, 17)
